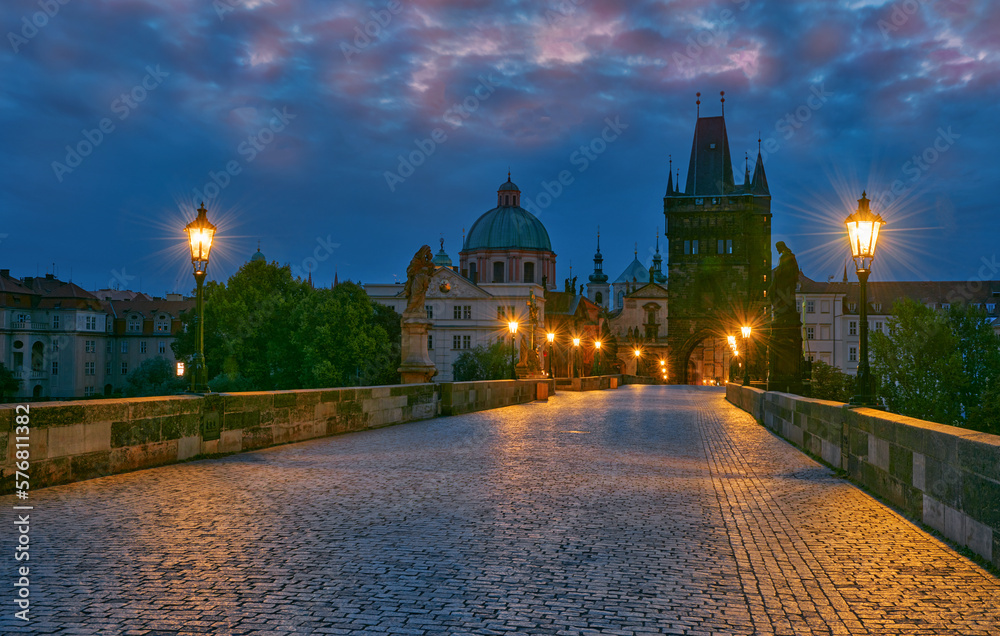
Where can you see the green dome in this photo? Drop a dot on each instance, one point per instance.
(508, 227)
(257, 256)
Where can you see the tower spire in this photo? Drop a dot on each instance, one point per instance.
(722, 95)
(697, 105)
(670, 177)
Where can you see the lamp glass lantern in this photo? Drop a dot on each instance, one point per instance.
(863, 229)
(201, 236)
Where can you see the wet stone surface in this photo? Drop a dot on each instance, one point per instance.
(637, 511)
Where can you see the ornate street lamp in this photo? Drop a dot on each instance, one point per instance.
(512, 326)
(745, 330)
(551, 338)
(862, 231)
(576, 349)
(200, 235)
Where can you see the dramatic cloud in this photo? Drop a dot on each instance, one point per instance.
(384, 125)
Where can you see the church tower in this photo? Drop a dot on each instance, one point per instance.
(598, 289)
(718, 246)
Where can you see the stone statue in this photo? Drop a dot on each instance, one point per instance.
(532, 309)
(782, 290)
(418, 279)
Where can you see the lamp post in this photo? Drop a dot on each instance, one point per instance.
(512, 326)
(745, 330)
(551, 338)
(638, 359)
(862, 231)
(200, 234)
(596, 369)
(576, 348)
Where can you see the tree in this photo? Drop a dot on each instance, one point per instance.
(917, 365)
(155, 376)
(979, 350)
(830, 383)
(483, 363)
(8, 383)
(985, 416)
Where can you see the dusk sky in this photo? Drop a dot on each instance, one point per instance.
(313, 115)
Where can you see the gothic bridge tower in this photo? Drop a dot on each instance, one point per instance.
(719, 247)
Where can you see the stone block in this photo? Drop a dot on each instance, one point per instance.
(381, 392)
(38, 445)
(90, 465)
(229, 442)
(901, 463)
(106, 411)
(981, 499)
(188, 447)
(331, 395)
(980, 454)
(934, 515)
(830, 453)
(51, 414)
(79, 439)
(259, 437)
(7, 419)
(143, 408)
(145, 456)
(178, 426)
(134, 433)
(919, 476)
(284, 399)
(878, 452)
(943, 482)
(251, 401)
(241, 420)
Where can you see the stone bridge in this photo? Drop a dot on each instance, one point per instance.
(641, 510)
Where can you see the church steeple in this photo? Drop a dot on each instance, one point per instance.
(598, 276)
(670, 178)
(657, 269)
(508, 194)
(759, 178)
(746, 172)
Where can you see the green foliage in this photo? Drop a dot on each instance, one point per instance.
(483, 363)
(937, 367)
(155, 376)
(986, 415)
(266, 330)
(830, 383)
(8, 383)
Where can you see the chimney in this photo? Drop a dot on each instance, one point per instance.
(5, 272)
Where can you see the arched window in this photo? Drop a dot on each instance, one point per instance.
(621, 298)
(529, 272)
(498, 272)
(598, 298)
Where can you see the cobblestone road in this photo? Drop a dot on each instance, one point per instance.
(641, 510)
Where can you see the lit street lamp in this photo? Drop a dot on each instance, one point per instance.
(200, 234)
(551, 338)
(745, 330)
(862, 231)
(512, 326)
(576, 349)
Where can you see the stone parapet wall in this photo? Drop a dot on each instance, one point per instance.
(466, 397)
(637, 379)
(943, 476)
(73, 441)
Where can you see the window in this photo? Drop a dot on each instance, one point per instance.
(852, 354)
(466, 342)
(108, 347)
(88, 368)
(529, 272)
(55, 347)
(107, 368)
(991, 307)
(142, 347)
(91, 322)
(694, 246)
(88, 391)
(729, 246)
(55, 321)
(687, 247)
(877, 308)
(599, 298)
(852, 328)
(498, 272)
(456, 342)
(135, 323)
(467, 312)
(810, 333)
(852, 307)
(472, 274)
(721, 246)
(945, 305)
(430, 341)
(430, 311)
(810, 306)
(878, 326)
(162, 323)
(162, 347)
(89, 346)
(55, 368)
(462, 312)
(124, 368)
(124, 346)
(457, 312)
(699, 201)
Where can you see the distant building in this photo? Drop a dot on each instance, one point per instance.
(63, 342)
(506, 255)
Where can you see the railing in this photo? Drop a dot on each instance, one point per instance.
(34, 374)
(27, 324)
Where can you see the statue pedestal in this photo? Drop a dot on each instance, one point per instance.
(785, 358)
(417, 367)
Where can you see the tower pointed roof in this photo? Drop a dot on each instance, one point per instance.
(746, 173)
(710, 170)
(759, 185)
(670, 178)
(598, 276)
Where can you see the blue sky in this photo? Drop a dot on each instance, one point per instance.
(300, 122)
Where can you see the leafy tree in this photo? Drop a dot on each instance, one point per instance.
(917, 365)
(986, 415)
(483, 363)
(8, 383)
(155, 376)
(979, 349)
(830, 383)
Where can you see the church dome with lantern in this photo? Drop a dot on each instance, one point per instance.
(508, 244)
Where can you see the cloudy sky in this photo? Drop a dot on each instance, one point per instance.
(344, 134)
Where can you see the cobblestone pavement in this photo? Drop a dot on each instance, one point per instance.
(642, 510)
